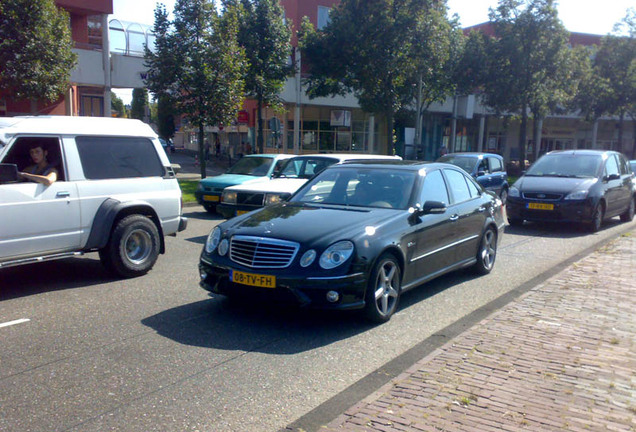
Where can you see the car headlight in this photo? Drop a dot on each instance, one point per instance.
(229, 197)
(213, 240)
(577, 195)
(336, 254)
(223, 247)
(307, 258)
(274, 198)
(513, 192)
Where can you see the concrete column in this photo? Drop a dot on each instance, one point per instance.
(482, 129)
(106, 64)
(594, 134)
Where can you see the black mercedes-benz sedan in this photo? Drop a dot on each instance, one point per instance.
(581, 186)
(357, 236)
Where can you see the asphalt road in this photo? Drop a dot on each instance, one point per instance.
(87, 352)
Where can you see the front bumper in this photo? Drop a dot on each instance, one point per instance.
(562, 211)
(207, 198)
(230, 210)
(294, 289)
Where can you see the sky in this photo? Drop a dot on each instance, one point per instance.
(583, 16)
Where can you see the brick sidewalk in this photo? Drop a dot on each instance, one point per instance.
(561, 357)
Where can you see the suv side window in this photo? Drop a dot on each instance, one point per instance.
(19, 153)
(118, 157)
(495, 164)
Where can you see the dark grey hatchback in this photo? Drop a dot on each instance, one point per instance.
(582, 186)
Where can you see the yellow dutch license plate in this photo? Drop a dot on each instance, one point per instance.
(240, 212)
(540, 206)
(262, 281)
(214, 198)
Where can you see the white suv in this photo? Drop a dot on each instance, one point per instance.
(115, 193)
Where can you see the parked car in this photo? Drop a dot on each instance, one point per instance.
(248, 169)
(487, 168)
(581, 186)
(293, 174)
(356, 236)
(168, 145)
(115, 193)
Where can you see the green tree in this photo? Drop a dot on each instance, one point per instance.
(379, 50)
(117, 105)
(35, 49)
(266, 39)
(527, 61)
(165, 116)
(615, 63)
(139, 103)
(198, 62)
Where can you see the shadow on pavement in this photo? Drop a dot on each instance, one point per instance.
(69, 273)
(225, 324)
(557, 229)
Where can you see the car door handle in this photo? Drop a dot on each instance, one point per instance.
(63, 194)
(454, 217)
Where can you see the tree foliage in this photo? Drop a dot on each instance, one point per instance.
(381, 57)
(266, 39)
(165, 116)
(199, 63)
(527, 61)
(117, 105)
(139, 103)
(35, 49)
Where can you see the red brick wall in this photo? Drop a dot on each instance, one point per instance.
(87, 7)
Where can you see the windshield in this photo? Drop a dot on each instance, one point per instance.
(305, 167)
(253, 166)
(566, 165)
(359, 187)
(467, 163)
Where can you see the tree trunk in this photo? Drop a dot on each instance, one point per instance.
(201, 151)
(523, 138)
(536, 136)
(390, 145)
(260, 141)
(418, 119)
(621, 122)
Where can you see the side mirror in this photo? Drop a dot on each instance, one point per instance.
(612, 177)
(432, 207)
(8, 173)
(481, 173)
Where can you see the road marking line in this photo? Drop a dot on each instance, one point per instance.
(10, 323)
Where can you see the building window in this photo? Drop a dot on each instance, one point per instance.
(95, 31)
(92, 106)
(323, 17)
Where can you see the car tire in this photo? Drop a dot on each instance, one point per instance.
(133, 248)
(383, 289)
(487, 252)
(503, 196)
(628, 216)
(210, 209)
(597, 219)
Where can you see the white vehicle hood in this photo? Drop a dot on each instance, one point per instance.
(277, 185)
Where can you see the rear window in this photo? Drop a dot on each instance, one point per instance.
(118, 157)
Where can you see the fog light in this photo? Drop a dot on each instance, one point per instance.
(333, 296)
(203, 274)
